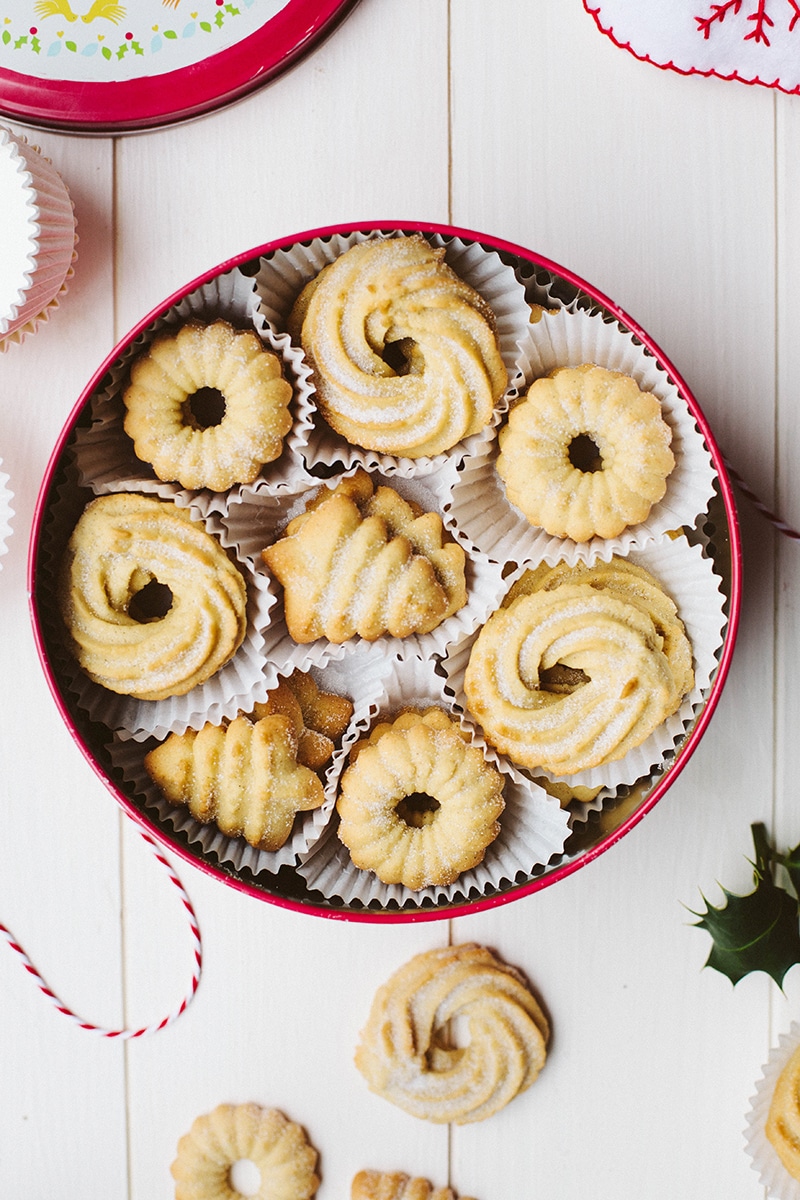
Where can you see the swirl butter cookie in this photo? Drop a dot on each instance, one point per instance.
(404, 352)
(404, 1053)
(574, 676)
(125, 552)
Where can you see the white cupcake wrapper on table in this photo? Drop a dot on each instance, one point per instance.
(688, 577)
(772, 1174)
(284, 274)
(37, 264)
(534, 827)
(103, 451)
(244, 675)
(361, 681)
(479, 507)
(6, 511)
(254, 522)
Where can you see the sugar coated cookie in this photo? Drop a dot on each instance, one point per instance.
(404, 352)
(152, 604)
(207, 406)
(586, 454)
(404, 1053)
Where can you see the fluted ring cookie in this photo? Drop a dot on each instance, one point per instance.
(126, 548)
(404, 1053)
(277, 1146)
(418, 805)
(586, 454)
(207, 406)
(404, 352)
(615, 679)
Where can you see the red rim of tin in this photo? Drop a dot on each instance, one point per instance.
(125, 106)
(514, 891)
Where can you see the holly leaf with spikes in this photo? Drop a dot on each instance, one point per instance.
(759, 931)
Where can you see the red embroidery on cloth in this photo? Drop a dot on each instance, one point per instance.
(760, 19)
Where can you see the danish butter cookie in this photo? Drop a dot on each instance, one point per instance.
(126, 552)
(319, 718)
(216, 1141)
(404, 352)
(395, 1185)
(419, 805)
(207, 406)
(244, 777)
(581, 670)
(404, 1052)
(586, 453)
(783, 1119)
(362, 560)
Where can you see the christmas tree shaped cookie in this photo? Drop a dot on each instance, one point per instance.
(363, 560)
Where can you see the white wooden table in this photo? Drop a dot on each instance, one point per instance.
(680, 199)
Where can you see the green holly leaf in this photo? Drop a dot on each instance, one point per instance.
(759, 931)
(791, 861)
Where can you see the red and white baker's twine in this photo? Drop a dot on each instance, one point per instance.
(123, 1034)
(759, 504)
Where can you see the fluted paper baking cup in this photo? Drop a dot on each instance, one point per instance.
(533, 826)
(246, 674)
(479, 507)
(6, 511)
(360, 680)
(772, 1174)
(103, 451)
(254, 522)
(37, 239)
(688, 577)
(282, 277)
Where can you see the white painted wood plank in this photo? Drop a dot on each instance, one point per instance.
(283, 995)
(63, 1102)
(632, 178)
(338, 139)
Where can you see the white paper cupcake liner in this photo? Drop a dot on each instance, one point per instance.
(478, 506)
(282, 277)
(38, 242)
(688, 577)
(772, 1174)
(254, 522)
(246, 674)
(6, 511)
(361, 680)
(103, 451)
(534, 827)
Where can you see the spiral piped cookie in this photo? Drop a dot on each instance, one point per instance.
(578, 673)
(586, 453)
(363, 560)
(126, 552)
(404, 352)
(404, 1053)
(207, 406)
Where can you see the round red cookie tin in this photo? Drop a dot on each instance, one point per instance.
(545, 836)
(98, 66)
